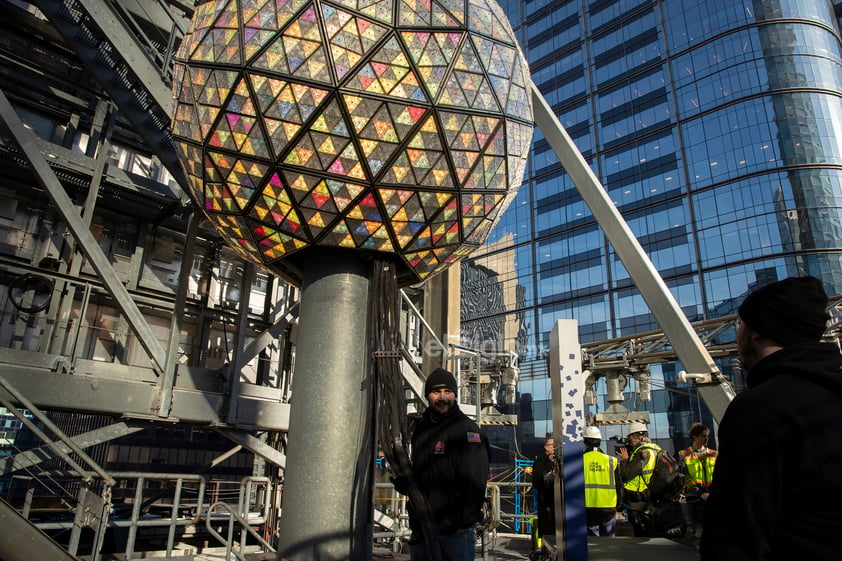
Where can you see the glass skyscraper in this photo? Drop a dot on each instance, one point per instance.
(715, 127)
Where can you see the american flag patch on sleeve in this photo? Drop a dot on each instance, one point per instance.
(474, 437)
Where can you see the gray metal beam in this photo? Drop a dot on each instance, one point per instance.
(159, 13)
(30, 458)
(129, 50)
(168, 378)
(194, 402)
(267, 337)
(255, 446)
(716, 394)
(13, 393)
(87, 243)
(122, 68)
(237, 364)
(689, 348)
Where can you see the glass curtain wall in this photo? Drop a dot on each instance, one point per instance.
(715, 127)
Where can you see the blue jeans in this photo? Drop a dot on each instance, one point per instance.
(605, 529)
(460, 546)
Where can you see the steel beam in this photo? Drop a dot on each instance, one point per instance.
(130, 396)
(168, 379)
(122, 68)
(8, 388)
(130, 51)
(64, 293)
(236, 365)
(87, 243)
(30, 458)
(268, 336)
(689, 348)
(254, 445)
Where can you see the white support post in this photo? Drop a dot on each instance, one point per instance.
(567, 382)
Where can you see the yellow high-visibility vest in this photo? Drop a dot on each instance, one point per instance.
(699, 466)
(640, 483)
(600, 480)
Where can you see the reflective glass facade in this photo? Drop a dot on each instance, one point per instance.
(715, 127)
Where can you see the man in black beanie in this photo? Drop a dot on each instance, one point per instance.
(776, 492)
(450, 467)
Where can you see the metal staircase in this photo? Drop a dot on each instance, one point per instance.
(131, 67)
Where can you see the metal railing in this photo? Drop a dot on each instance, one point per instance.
(229, 541)
(506, 512)
(140, 505)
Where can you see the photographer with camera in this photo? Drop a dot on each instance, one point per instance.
(637, 462)
(544, 474)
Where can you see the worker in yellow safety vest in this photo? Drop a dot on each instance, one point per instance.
(698, 462)
(603, 486)
(636, 467)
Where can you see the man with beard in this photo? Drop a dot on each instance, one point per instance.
(775, 493)
(450, 468)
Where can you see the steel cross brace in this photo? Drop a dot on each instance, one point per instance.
(87, 243)
(712, 387)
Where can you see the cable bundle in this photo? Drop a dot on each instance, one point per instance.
(392, 426)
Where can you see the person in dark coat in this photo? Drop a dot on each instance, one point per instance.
(450, 465)
(776, 491)
(544, 475)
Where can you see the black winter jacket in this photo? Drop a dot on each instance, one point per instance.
(777, 490)
(450, 466)
(544, 486)
(543, 482)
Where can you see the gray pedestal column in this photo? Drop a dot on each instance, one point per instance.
(327, 496)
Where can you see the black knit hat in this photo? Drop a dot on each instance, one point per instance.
(788, 311)
(440, 378)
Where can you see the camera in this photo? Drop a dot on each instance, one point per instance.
(623, 443)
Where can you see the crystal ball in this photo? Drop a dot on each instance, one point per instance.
(398, 128)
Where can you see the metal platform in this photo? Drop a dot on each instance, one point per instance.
(639, 549)
(622, 548)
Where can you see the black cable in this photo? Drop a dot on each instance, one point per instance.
(30, 282)
(392, 425)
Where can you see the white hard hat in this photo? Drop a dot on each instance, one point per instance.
(637, 427)
(592, 432)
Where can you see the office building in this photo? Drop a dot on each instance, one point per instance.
(715, 129)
